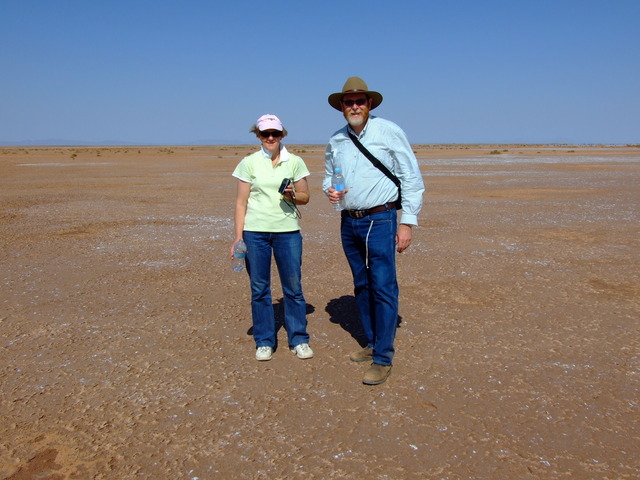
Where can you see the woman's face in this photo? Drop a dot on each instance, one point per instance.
(271, 140)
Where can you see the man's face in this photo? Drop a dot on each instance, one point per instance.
(355, 108)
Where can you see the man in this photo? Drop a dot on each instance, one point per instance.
(369, 229)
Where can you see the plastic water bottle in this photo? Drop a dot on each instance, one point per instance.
(337, 182)
(239, 252)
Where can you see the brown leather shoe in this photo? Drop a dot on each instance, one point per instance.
(364, 355)
(376, 374)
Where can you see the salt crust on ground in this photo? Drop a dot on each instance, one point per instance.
(125, 337)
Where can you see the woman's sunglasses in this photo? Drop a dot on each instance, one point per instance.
(275, 134)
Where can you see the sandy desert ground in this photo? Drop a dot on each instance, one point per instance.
(125, 350)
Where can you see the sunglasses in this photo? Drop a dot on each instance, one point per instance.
(275, 134)
(360, 102)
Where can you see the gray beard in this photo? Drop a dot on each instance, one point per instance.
(355, 122)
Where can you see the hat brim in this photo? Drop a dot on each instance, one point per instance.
(335, 99)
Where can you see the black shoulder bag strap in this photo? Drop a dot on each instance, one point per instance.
(379, 165)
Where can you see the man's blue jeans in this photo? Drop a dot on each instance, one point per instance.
(369, 244)
(287, 251)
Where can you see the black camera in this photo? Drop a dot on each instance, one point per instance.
(285, 183)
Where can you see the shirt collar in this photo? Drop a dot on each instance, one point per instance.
(284, 153)
(364, 130)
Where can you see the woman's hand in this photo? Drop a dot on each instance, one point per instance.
(289, 192)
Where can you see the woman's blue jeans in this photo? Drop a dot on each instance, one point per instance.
(287, 250)
(369, 244)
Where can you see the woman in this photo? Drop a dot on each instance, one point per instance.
(267, 220)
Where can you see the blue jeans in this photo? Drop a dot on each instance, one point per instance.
(287, 251)
(369, 244)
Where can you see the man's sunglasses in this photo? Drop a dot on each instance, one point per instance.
(360, 102)
(275, 134)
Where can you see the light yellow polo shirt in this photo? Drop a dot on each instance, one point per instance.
(267, 211)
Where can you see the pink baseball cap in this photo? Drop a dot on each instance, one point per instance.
(269, 122)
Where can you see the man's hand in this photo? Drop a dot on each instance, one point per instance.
(403, 237)
(335, 197)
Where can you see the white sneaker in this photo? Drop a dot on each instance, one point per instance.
(302, 351)
(264, 353)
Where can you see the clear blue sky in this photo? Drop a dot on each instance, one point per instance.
(193, 72)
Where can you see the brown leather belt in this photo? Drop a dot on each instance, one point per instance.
(369, 211)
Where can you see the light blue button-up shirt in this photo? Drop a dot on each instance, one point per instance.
(367, 186)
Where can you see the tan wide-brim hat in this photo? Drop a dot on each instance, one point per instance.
(354, 85)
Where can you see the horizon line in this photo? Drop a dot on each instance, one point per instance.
(214, 144)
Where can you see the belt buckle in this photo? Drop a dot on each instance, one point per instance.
(359, 213)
